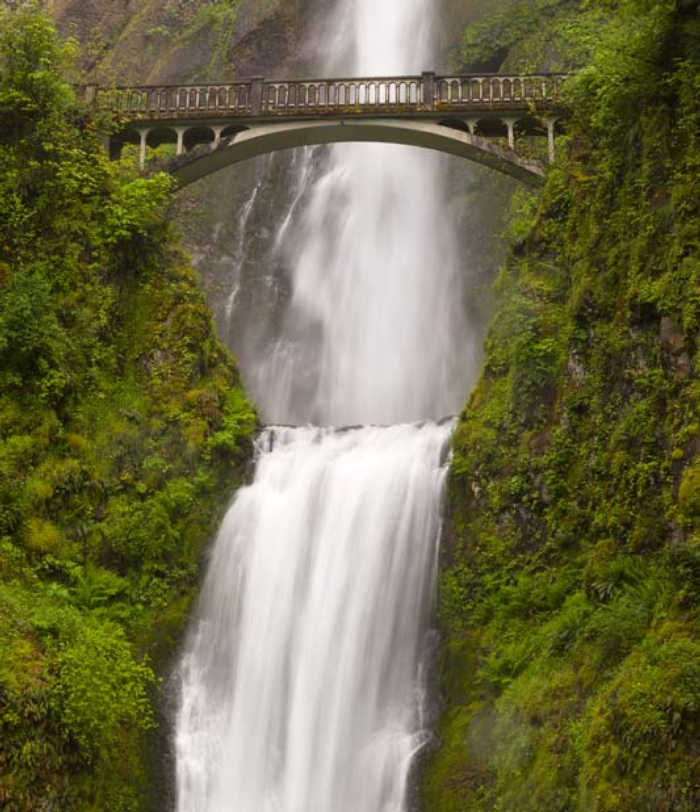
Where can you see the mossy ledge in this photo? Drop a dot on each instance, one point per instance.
(124, 431)
(570, 579)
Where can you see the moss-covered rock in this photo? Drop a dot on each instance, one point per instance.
(124, 431)
(570, 566)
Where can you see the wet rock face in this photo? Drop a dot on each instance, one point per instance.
(123, 39)
(675, 352)
(142, 35)
(81, 17)
(269, 37)
(145, 41)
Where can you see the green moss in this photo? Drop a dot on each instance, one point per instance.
(638, 751)
(123, 432)
(570, 563)
(689, 492)
(464, 732)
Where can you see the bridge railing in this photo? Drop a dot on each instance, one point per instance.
(352, 96)
(169, 100)
(330, 95)
(498, 91)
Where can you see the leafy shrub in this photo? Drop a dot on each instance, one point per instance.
(642, 729)
(239, 421)
(100, 687)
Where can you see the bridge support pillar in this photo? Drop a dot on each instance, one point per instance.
(218, 129)
(143, 133)
(180, 132)
(551, 123)
(510, 123)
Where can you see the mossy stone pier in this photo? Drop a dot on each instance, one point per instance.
(215, 125)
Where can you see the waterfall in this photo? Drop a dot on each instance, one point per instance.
(301, 685)
(376, 329)
(300, 691)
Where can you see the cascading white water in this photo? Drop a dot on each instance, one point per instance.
(376, 330)
(301, 684)
(300, 689)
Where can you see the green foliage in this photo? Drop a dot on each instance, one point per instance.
(123, 429)
(220, 18)
(239, 421)
(26, 321)
(100, 687)
(31, 64)
(136, 207)
(486, 43)
(188, 22)
(689, 492)
(571, 566)
(637, 747)
(534, 35)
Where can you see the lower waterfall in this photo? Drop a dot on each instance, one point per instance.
(302, 688)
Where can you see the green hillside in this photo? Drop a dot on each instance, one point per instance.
(571, 570)
(123, 432)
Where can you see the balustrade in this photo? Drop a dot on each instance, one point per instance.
(346, 95)
(168, 101)
(353, 96)
(466, 91)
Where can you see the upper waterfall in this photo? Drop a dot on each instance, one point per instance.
(375, 331)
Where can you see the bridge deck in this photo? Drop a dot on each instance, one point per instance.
(425, 95)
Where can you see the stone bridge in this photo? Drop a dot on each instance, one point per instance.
(486, 118)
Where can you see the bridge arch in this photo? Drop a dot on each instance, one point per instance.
(189, 167)
(492, 126)
(159, 136)
(457, 124)
(197, 136)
